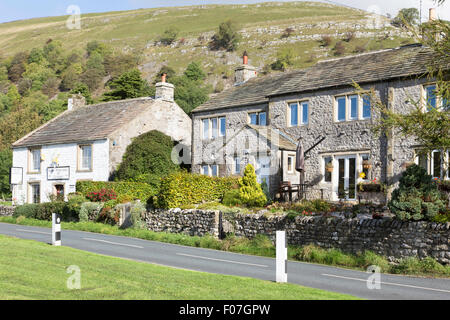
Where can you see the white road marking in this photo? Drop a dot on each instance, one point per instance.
(229, 261)
(115, 243)
(388, 283)
(31, 231)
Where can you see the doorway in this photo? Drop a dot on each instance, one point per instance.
(345, 186)
(59, 192)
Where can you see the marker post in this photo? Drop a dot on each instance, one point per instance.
(281, 257)
(56, 229)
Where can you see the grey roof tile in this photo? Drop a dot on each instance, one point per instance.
(89, 123)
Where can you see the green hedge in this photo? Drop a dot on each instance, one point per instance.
(130, 190)
(43, 211)
(183, 188)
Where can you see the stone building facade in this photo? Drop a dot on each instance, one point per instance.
(88, 143)
(321, 107)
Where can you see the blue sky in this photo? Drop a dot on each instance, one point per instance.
(23, 9)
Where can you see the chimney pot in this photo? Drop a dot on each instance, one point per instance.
(245, 58)
(432, 15)
(163, 77)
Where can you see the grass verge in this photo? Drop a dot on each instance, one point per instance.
(259, 246)
(34, 270)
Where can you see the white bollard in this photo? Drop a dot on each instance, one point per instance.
(281, 268)
(56, 229)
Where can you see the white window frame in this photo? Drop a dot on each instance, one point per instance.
(210, 135)
(236, 165)
(445, 158)
(80, 160)
(439, 100)
(210, 170)
(324, 168)
(292, 158)
(258, 118)
(32, 160)
(300, 119)
(348, 108)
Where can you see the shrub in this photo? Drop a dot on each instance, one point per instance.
(183, 188)
(147, 159)
(250, 190)
(137, 210)
(285, 58)
(26, 210)
(133, 190)
(90, 211)
(226, 38)
(339, 48)
(101, 195)
(417, 196)
(232, 198)
(74, 202)
(326, 40)
(169, 36)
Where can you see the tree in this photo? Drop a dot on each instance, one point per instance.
(250, 190)
(285, 58)
(169, 36)
(128, 85)
(194, 72)
(5, 165)
(406, 17)
(148, 159)
(189, 94)
(226, 38)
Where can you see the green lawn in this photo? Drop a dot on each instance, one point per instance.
(34, 270)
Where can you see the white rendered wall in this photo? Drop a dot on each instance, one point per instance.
(67, 156)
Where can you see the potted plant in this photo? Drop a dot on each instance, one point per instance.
(367, 164)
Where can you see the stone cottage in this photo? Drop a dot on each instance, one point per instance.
(320, 106)
(87, 142)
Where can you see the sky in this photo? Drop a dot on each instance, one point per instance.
(11, 10)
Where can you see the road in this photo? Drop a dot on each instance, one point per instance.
(220, 262)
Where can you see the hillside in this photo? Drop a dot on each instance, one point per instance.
(262, 27)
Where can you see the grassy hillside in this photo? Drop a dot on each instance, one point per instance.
(262, 26)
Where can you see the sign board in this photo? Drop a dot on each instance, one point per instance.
(58, 173)
(16, 175)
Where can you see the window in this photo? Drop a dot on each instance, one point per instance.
(290, 160)
(237, 165)
(35, 193)
(35, 160)
(213, 128)
(222, 124)
(210, 170)
(352, 107)
(366, 108)
(327, 162)
(85, 160)
(205, 129)
(432, 100)
(430, 96)
(341, 109)
(214, 170)
(298, 113)
(435, 163)
(258, 118)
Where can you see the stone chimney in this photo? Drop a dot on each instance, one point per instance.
(432, 15)
(164, 90)
(244, 72)
(76, 101)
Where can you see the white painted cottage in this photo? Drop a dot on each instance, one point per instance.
(88, 143)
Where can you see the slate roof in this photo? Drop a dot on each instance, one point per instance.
(375, 66)
(89, 123)
(254, 91)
